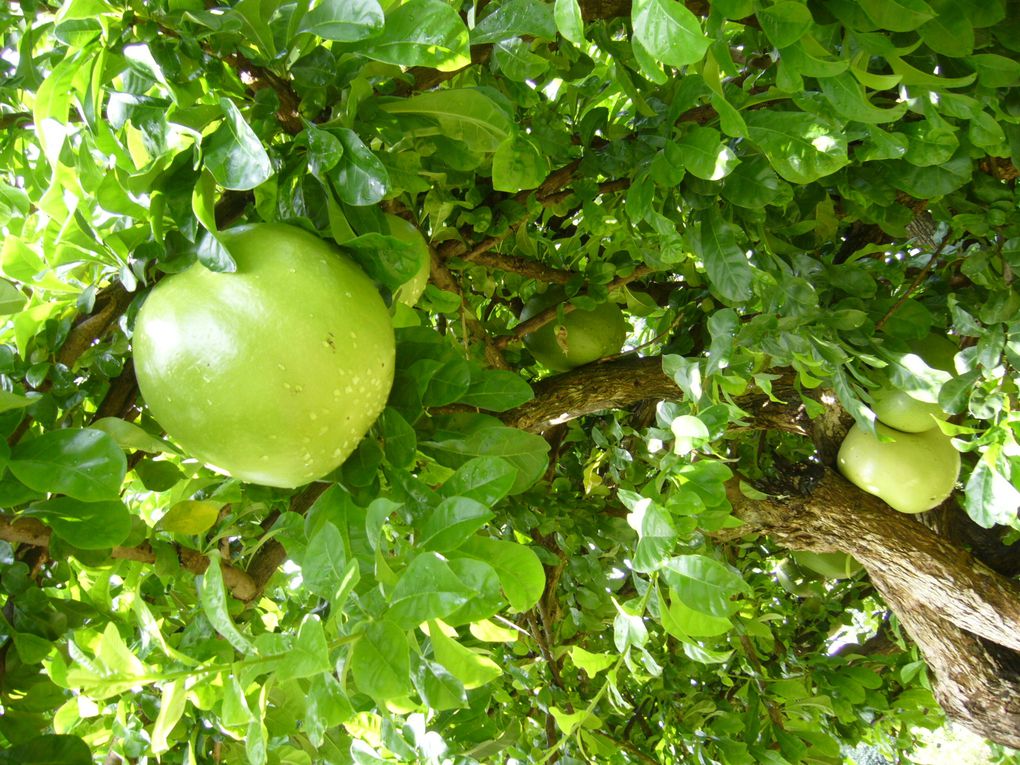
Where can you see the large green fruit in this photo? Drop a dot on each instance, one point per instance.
(273, 373)
(584, 336)
(912, 473)
(900, 411)
(410, 291)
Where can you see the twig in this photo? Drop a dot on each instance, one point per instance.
(29, 531)
(921, 276)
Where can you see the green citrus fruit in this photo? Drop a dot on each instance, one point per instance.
(912, 473)
(584, 336)
(900, 411)
(272, 373)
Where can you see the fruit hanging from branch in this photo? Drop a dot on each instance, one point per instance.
(911, 472)
(272, 373)
(582, 337)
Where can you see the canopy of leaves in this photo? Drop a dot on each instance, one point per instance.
(785, 197)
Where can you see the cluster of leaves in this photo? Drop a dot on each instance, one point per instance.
(460, 589)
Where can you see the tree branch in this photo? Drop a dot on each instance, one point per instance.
(29, 531)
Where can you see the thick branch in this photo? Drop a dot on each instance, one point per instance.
(972, 684)
(32, 532)
(272, 554)
(836, 515)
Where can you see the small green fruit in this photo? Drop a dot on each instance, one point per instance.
(831, 565)
(912, 473)
(272, 373)
(584, 336)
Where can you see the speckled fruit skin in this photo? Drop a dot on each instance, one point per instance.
(913, 473)
(901, 412)
(590, 335)
(272, 373)
(411, 291)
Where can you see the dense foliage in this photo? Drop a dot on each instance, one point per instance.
(786, 197)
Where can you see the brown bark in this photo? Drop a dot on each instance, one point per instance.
(32, 532)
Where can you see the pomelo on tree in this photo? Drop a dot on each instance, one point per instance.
(912, 473)
(272, 373)
(583, 337)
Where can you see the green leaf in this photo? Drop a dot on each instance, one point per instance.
(171, 709)
(472, 669)
(848, 99)
(326, 707)
(990, 498)
(668, 31)
(516, 61)
(950, 32)
(704, 584)
(801, 147)
(190, 516)
(785, 22)
(309, 655)
(656, 535)
(426, 590)
(360, 177)
(465, 114)
(380, 662)
(591, 663)
(694, 623)
(212, 595)
(497, 390)
(86, 525)
(211, 252)
(484, 479)
(130, 436)
(324, 150)
(932, 181)
(48, 750)
(452, 523)
(325, 561)
(515, 18)
(519, 569)
(725, 261)
(344, 20)
(525, 451)
(9, 401)
(689, 432)
(82, 463)
(518, 164)
(995, 71)
(898, 15)
(705, 155)
(400, 444)
(569, 21)
(233, 154)
(422, 33)
(12, 300)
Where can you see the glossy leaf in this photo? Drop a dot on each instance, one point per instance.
(344, 20)
(85, 464)
(427, 589)
(519, 569)
(668, 31)
(380, 661)
(422, 33)
(86, 525)
(233, 154)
